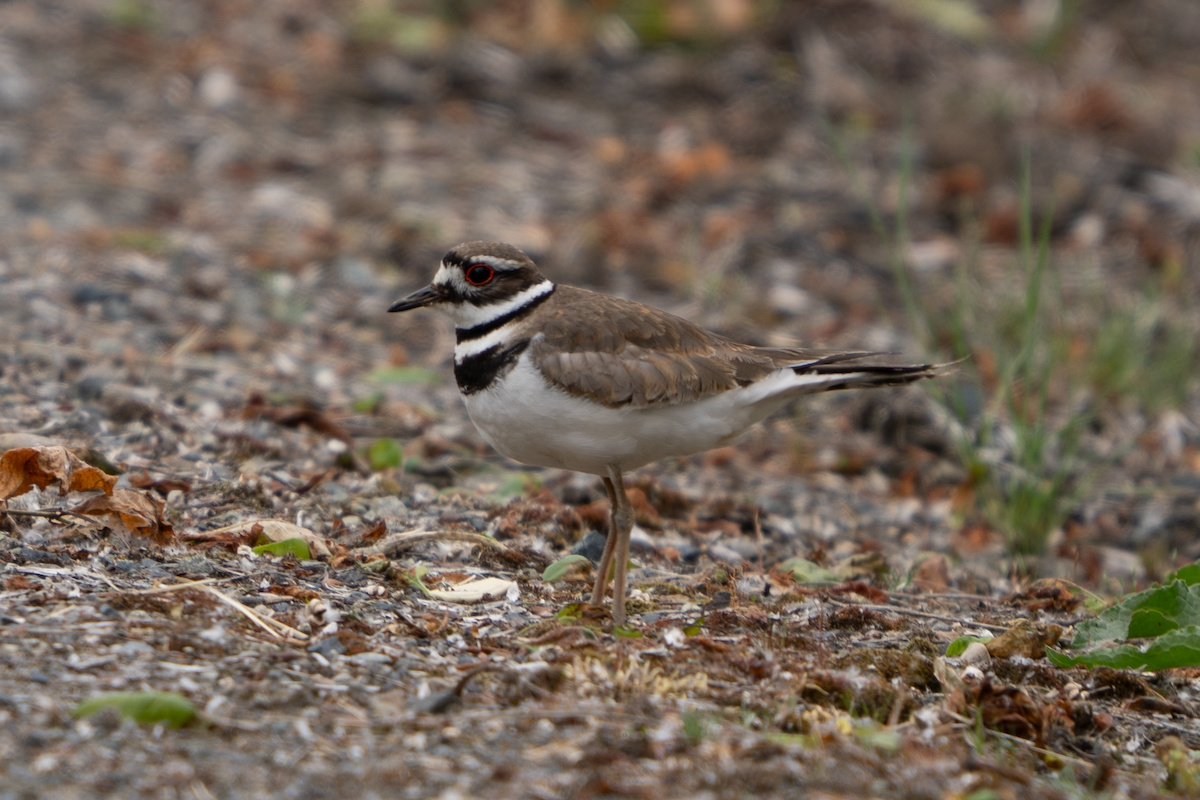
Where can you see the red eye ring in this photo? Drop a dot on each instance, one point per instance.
(479, 274)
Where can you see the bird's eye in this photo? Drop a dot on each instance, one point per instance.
(479, 274)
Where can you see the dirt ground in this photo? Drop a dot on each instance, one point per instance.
(207, 206)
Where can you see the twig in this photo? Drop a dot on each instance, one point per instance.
(758, 539)
(955, 596)
(969, 724)
(174, 587)
(553, 714)
(479, 670)
(45, 514)
(914, 613)
(261, 622)
(241, 608)
(62, 572)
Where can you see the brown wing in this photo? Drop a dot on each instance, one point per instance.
(620, 353)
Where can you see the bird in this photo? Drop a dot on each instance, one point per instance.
(562, 377)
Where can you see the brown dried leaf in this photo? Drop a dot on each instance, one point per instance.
(932, 575)
(164, 487)
(22, 468)
(862, 589)
(1024, 639)
(298, 592)
(135, 512)
(1008, 709)
(1053, 594)
(230, 540)
(304, 412)
(277, 531)
(1160, 705)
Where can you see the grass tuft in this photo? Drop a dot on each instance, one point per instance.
(1040, 369)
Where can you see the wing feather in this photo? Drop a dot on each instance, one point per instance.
(623, 354)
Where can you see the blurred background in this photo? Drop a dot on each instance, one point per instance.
(204, 200)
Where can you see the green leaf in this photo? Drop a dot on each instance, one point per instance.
(1189, 574)
(142, 707)
(405, 376)
(518, 484)
(414, 580)
(1178, 648)
(878, 738)
(626, 633)
(570, 613)
(805, 571)
(959, 645)
(558, 570)
(369, 404)
(1152, 612)
(288, 547)
(956, 17)
(385, 454)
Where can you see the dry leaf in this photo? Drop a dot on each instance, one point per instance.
(277, 531)
(303, 413)
(22, 468)
(163, 487)
(231, 540)
(932, 575)
(474, 591)
(1053, 594)
(1024, 639)
(132, 512)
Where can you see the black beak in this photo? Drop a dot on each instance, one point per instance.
(417, 299)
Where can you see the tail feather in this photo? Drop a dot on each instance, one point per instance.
(831, 373)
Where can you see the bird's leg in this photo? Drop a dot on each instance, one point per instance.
(610, 543)
(622, 524)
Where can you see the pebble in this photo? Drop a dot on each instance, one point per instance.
(725, 554)
(369, 658)
(977, 654)
(591, 546)
(328, 647)
(134, 649)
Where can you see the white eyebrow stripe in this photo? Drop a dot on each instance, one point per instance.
(466, 315)
(498, 264)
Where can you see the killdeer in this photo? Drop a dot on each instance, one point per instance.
(561, 377)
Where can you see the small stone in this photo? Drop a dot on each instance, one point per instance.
(543, 731)
(135, 648)
(368, 659)
(218, 88)
(977, 654)
(328, 647)
(723, 554)
(972, 675)
(389, 506)
(196, 564)
(591, 546)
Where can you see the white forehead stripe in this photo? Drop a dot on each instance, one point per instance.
(444, 277)
(466, 315)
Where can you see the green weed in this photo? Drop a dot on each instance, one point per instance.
(1035, 376)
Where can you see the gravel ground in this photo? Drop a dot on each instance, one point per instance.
(205, 209)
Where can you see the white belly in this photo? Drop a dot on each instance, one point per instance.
(530, 421)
